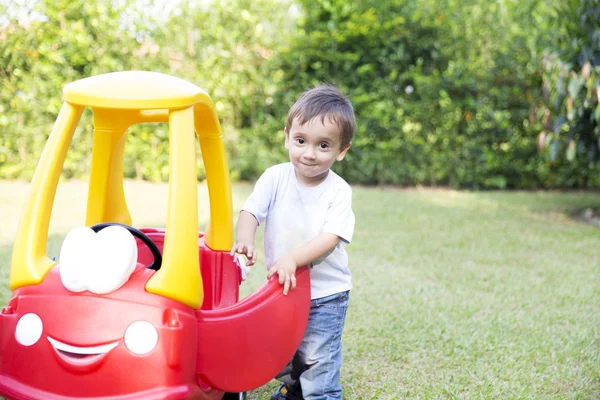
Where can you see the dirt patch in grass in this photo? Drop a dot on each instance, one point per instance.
(588, 215)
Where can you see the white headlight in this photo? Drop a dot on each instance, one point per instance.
(141, 337)
(29, 329)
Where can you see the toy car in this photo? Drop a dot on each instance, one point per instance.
(140, 313)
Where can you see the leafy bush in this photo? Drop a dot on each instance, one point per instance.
(446, 92)
(570, 110)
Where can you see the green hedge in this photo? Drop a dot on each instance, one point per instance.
(446, 92)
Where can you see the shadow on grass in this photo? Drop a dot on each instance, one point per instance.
(589, 215)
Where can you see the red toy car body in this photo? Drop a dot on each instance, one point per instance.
(135, 342)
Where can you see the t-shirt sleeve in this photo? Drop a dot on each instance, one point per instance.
(259, 201)
(340, 217)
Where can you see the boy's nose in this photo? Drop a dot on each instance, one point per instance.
(310, 154)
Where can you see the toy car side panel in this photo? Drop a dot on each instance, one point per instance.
(244, 346)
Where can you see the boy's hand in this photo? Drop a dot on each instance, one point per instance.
(246, 249)
(285, 267)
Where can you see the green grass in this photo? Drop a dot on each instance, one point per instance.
(457, 295)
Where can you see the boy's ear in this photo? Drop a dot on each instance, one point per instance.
(287, 137)
(343, 152)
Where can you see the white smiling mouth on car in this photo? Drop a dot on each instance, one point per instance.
(81, 352)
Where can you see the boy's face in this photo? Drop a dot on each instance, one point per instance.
(313, 147)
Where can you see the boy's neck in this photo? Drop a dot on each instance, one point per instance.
(311, 182)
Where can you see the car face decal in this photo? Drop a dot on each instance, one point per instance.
(140, 338)
(81, 356)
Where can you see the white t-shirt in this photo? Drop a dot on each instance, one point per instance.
(296, 214)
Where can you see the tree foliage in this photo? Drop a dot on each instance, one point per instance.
(443, 90)
(45, 47)
(448, 92)
(571, 105)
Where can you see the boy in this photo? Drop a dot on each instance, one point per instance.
(308, 213)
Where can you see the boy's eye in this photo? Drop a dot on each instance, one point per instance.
(300, 141)
(324, 146)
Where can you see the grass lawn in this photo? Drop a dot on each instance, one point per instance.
(492, 295)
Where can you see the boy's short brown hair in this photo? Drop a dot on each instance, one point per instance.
(325, 101)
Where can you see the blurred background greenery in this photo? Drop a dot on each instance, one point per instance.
(472, 94)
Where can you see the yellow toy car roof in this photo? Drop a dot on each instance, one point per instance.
(118, 101)
(133, 90)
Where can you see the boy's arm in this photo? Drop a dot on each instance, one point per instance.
(253, 213)
(305, 254)
(245, 231)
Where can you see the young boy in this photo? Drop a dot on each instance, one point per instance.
(308, 213)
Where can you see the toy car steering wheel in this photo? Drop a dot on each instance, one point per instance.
(155, 265)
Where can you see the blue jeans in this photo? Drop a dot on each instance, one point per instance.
(314, 372)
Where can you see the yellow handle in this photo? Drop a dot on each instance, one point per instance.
(106, 196)
(179, 277)
(30, 264)
(219, 233)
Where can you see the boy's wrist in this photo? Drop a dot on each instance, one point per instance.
(291, 262)
(294, 258)
(245, 241)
